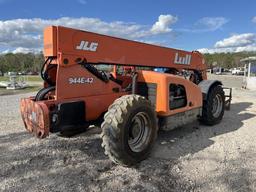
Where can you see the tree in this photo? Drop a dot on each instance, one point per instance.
(21, 62)
(226, 60)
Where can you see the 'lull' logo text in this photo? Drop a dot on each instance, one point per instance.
(182, 60)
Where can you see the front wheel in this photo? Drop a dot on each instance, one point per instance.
(129, 130)
(213, 106)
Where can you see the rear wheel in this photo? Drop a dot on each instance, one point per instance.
(213, 106)
(129, 130)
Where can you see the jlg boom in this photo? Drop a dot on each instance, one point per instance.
(135, 103)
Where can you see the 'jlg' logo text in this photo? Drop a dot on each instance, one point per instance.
(87, 46)
(182, 60)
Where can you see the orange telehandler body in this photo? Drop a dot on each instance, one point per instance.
(77, 92)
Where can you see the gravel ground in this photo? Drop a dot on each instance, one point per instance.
(191, 158)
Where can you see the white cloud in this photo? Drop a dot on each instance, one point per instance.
(164, 23)
(207, 24)
(27, 33)
(239, 40)
(227, 50)
(216, 50)
(254, 19)
(211, 23)
(22, 50)
(235, 43)
(162, 43)
(25, 50)
(204, 50)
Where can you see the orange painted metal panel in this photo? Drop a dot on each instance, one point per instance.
(97, 48)
(163, 80)
(97, 94)
(50, 41)
(35, 116)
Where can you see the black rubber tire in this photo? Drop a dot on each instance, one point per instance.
(207, 115)
(116, 129)
(43, 92)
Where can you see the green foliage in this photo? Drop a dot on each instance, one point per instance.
(226, 60)
(21, 62)
(32, 62)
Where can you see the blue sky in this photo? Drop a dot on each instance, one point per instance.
(208, 26)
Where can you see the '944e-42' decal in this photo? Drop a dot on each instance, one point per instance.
(80, 80)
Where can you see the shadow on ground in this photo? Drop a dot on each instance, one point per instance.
(195, 137)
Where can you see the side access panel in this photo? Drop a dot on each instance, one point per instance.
(173, 110)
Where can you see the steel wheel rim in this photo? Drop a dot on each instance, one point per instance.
(139, 132)
(217, 106)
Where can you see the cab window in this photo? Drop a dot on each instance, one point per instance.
(177, 96)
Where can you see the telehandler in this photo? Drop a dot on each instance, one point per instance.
(89, 77)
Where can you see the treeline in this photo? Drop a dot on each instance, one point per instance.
(226, 60)
(20, 62)
(32, 62)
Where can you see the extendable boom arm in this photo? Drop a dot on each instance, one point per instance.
(68, 45)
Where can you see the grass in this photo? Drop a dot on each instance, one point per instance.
(4, 91)
(31, 78)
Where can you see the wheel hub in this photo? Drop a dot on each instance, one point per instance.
(217, 106)
(139, 132)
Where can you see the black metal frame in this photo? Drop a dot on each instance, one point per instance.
(228, 98)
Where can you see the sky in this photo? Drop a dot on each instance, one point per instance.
(205, 25)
